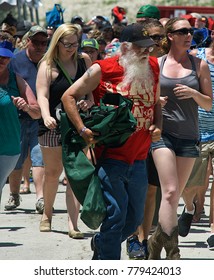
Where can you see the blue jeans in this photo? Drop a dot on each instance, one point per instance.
(29, 142)
(124, 189)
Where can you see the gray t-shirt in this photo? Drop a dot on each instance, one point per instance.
(180, 117)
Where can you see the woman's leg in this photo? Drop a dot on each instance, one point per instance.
(52, 157)
(165, 161)
(26, 176)
(73, 207)
(173, 174)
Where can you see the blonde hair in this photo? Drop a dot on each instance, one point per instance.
(53, 53)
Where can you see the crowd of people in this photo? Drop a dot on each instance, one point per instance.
(166, 69)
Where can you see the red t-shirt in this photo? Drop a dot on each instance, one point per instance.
(138, 144)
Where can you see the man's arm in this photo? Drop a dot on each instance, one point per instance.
(88, 82)
(156, 128)
(27, 100)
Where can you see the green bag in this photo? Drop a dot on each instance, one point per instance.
(94, 208)
(114, 125)
(112, 119)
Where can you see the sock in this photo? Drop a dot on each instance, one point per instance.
(190, 212)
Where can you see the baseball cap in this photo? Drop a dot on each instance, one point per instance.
(6, 49)
(105, 25)
(23, 27)
(37, 29)
(77, 18)
(134, 33)
(148, 11)
(92, 43)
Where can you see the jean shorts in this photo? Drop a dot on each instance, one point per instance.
(181, 147)
(29, 143)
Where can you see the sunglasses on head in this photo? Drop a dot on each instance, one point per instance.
(183, 31)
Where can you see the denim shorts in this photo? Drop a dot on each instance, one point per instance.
(29, 143)
(181, 147)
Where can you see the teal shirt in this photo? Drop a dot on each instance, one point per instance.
(9, 120)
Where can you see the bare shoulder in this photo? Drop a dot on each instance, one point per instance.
(87, 59)
(199, 62)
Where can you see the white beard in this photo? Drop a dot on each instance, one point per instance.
(137, 71)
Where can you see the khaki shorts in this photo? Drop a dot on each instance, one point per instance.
(198, 175)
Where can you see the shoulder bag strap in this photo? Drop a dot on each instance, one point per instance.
(63, 71)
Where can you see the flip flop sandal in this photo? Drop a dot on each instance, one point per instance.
(24, 190)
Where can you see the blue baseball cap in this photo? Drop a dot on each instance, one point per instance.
(6, 49)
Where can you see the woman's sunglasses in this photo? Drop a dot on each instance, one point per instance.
(183, 31)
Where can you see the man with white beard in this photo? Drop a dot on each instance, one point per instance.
(123, 175)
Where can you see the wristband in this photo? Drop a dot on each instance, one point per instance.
(82, 130)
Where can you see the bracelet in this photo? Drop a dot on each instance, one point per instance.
(82, 130)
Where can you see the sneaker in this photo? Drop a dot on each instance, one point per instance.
(94, 248)
(13, 202)
(134, 248)
(184, 223)
(210, 242)
(40, 205)
(145, 249)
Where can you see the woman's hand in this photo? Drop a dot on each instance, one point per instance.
(155, 133)
(50, 122)
(184, 92)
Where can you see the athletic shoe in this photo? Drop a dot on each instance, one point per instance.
(134, 248)
(13, 202)
(210, 242)
(40, 206)
(184, 223)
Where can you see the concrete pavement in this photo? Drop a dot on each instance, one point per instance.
(20, 238)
